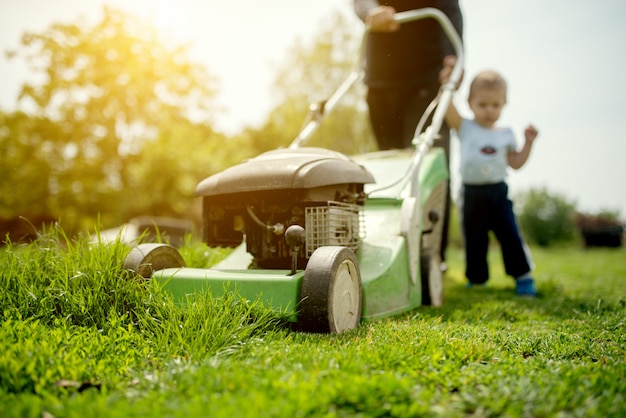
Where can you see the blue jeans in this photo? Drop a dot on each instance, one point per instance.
(488, 208)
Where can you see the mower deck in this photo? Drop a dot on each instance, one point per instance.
(388, 285)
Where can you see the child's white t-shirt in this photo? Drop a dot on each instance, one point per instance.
(484, 153)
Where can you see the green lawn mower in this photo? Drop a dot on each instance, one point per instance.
(329, 240)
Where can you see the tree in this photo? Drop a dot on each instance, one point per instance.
(546, 218)
(311, 74)
(25, 164)
(122, 121)
(110, 93)
(172, 165)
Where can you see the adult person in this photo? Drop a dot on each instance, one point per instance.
(403, 68)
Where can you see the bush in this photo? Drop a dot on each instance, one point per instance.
(602, 229)
(546, 218)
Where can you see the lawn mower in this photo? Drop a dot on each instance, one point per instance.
(326, 239)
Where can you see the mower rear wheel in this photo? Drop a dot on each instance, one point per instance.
(432, 239)
(331, 298)
(144, 259)
(432, 280)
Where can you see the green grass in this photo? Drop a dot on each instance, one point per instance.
(80, 337)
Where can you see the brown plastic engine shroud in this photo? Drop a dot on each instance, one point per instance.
(300, 168)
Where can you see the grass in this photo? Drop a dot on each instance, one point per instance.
(79, 334)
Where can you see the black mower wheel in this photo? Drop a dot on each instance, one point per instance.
(144, 259)
(432, 280)
(432, 238)
(331, 298)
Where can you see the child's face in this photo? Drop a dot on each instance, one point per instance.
(487, 105)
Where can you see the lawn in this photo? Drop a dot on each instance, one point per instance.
(80, 337)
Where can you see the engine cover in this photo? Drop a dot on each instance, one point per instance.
(260, 198)
(302, 168)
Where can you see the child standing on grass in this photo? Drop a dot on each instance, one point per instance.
(487, 151)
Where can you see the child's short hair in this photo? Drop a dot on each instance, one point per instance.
(487, 79)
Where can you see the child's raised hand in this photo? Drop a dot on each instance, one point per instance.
(530, 133)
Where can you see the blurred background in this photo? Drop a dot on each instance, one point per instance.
(113, 110)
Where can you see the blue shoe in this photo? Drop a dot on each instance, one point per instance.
(525, 287)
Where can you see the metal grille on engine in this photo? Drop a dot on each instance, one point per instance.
(335, 224)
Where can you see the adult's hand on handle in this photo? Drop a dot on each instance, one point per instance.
(380, 19)
(446, 70)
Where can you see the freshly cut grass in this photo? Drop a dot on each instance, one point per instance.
(103, 342)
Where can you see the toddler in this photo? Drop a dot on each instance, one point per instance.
(487, 150)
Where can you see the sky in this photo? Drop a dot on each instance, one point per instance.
(563, 61)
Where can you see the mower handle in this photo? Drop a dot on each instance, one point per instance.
(424, 142)
(319, 111)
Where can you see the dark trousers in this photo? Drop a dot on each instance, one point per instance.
(395, 111)
(394, 115)
(488, 208)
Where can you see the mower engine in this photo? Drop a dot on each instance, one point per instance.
(315, 194)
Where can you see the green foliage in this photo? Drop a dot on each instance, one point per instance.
(37, 358)
(69, 313)
(546, 218)
(310, 74)
(197, 254)
(56, 277)
(162, 179)
(484, 353)
(27, 164)
(455, 235)
(112, 132)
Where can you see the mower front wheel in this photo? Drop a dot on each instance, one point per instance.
(144, 259)
(331, 298)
